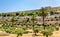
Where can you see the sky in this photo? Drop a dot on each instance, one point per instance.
(22, 5)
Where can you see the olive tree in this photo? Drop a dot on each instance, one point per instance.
(47, 32)
(20, 32)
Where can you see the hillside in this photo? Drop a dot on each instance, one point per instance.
(30, 22)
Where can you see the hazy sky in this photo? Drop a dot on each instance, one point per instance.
(21, 5)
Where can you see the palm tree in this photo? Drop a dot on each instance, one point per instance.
(43, 16)
(47, 30)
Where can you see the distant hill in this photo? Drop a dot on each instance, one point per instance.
(57, 9)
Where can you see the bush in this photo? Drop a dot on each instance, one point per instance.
(25, 32)
(19, 31)
(57, 28)
(47, 32)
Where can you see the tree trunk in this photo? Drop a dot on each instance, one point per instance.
(17, 35)
(46, 35)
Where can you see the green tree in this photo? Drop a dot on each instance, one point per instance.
(4, 15)
(31, 13)
(9, 30)
(0, 14)
(47, 32)
(57, 28)
(8, 14)
(52, 12)
(17, 14)
(36, 30)
(20, 32)
(21, 14)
